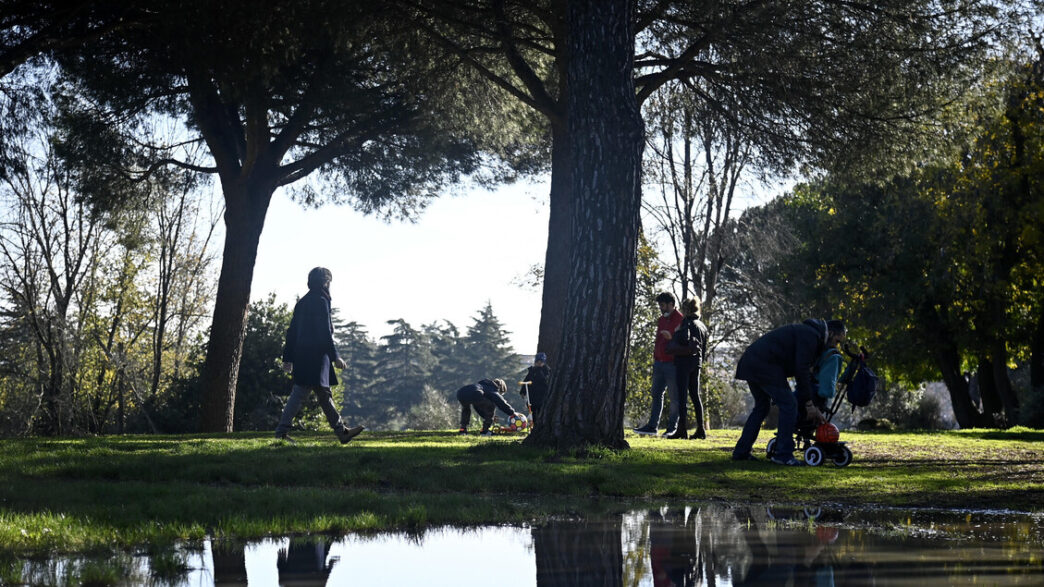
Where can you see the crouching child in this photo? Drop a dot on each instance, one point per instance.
(485, 397)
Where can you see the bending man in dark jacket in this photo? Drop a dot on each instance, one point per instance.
(310, 355)
(788, 351)
(485, 396)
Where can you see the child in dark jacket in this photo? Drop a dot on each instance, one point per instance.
(539, 379)
(485, 396)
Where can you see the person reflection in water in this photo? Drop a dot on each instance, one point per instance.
(672, 549)
(782, 557)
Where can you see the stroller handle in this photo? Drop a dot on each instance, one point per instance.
(863, 353)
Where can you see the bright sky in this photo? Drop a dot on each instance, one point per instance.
(463, 251)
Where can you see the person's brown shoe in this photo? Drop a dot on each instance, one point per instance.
(347, 434)
(699, 434)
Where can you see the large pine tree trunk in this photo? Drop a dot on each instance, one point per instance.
(245, 209)
(559, 244)
(606, 137)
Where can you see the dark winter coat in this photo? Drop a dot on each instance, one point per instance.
(688, 345)
(689, 340)
(309, 342)
(541, 378)
(788, 351)
(484, 390)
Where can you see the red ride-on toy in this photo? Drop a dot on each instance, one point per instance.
(821, 443)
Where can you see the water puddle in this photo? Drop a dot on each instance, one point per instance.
(707, 544)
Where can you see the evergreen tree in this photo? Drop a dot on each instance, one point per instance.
(361, 401)
(586, 403)
(488, 350)
(450, 362)
(404, 363)
(945, 259)
(276, 92)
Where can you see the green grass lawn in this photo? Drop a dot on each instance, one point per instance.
(115, 492)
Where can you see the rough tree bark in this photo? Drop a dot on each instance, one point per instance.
(246, 207)
(559, 244)
(606, 132)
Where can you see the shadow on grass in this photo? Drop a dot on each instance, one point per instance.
(1019, 434)
(878, 462)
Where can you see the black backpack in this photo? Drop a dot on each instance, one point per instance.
(863, 387)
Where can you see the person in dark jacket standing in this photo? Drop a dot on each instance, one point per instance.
(788, 351)
(485, 396)
(310, 355)
(688, 346)
(539, 378)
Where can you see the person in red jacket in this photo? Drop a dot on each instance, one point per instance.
(663, 375)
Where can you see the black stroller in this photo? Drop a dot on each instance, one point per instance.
(820, 443)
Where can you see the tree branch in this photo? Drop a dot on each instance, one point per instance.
(521, 67)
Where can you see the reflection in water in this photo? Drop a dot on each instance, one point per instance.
(305, 562)
(578, 553)
(708, 544)
(229, 566)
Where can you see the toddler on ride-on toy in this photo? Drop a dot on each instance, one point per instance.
(819, 439)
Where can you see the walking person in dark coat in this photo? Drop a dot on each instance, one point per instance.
(485, 396)
(688, 346)
(788, 351)
(310, 355)
(539, 378)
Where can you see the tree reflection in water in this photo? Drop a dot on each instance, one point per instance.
(708, 544)
(686, 546)
(229, 564)
(298, 561)
(304, 562)
(579, 553)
